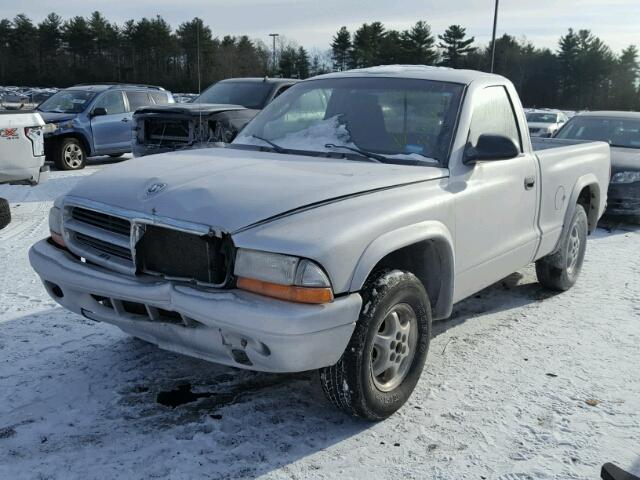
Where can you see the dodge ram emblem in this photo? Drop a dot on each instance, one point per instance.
(155, 189)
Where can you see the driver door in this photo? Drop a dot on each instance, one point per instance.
(495, 201)
(111, 132)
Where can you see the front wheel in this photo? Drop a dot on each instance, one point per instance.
(70, 155)
(386, 354)
(5, 213)
(560, 270)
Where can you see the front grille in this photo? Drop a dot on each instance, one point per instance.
(105, 240)
(102, 246)
(167, 132)
(104, 221)
(181, 255)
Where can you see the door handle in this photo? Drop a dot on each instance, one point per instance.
(125, 119)
(529, 182)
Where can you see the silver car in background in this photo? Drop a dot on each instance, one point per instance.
(544, 123)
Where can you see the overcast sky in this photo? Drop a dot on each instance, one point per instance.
(312, 23)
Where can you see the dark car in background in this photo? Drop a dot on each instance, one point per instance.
(88, 120)
(216, 115)
(621, 130)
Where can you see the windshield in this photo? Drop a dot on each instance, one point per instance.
(403, 119)
(247, 94)
(618, 132)
(542, 117)
(67, 101)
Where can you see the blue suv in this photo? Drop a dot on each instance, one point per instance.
(90, 120)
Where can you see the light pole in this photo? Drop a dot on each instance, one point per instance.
(274, 35)
(493, 40)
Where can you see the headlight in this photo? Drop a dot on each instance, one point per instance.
(55, 226)
(626, 177)
(50, 127)
(282, 276)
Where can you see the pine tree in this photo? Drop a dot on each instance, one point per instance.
(455, 46)
(626, 70)
(340, 49)
(367, 45)
(287, 64)
(418, 44)
(302, 63)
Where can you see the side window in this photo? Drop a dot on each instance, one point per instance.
(137, 100)
(494, 114)
(112, 102)
(160, 98)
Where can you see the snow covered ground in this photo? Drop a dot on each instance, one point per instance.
(520, 384)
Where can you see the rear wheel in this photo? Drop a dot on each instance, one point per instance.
(560, 270)
(386, 354)
(70, 155)
(5, 213)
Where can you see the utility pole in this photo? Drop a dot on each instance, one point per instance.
(493, 41)
(274, 35)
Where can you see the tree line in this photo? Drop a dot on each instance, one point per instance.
(581, 73)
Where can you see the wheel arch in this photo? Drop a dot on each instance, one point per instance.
(78, 136)
(399, 249)
(586, 192)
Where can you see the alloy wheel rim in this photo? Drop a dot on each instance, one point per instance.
(573, 251)
(394, 347)
(73, 155)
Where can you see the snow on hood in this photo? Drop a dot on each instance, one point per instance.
(189, 108)
(228, 188)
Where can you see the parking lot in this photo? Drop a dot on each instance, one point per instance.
(519, 384)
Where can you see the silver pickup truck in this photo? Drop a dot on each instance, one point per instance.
(350, 213)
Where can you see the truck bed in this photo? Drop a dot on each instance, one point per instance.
(539, 144)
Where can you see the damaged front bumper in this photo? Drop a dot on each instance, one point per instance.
(231, 327)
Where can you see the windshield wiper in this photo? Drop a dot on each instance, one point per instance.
(275, 146)
(373, 157)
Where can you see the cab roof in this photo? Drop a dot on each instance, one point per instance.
(422, 72)
(101, 87)
(268, 80)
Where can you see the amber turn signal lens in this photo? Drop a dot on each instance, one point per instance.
(290, 293)
(58, 240)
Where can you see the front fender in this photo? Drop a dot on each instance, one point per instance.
(394, 240)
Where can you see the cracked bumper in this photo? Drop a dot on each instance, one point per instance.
(231, 327)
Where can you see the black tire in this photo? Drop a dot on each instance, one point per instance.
(70, 154)
(560, 270)
(5, 213)
(350, 384)
(116, 155)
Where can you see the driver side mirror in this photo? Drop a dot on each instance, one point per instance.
(490, 147)
(98, 112)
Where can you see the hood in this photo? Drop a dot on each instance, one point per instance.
(189, 108)
(228, 189)
(54, 117)
(625, 159)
